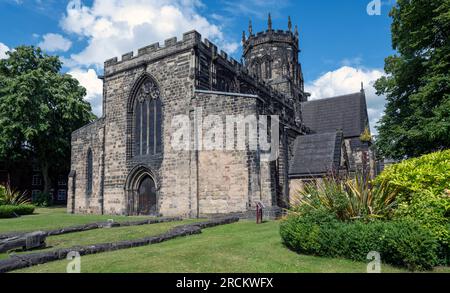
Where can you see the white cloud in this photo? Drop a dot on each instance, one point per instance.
(94, 87)
(347, 80)
(230, 47)
(55, 42)
(114, 27)
(3, 50)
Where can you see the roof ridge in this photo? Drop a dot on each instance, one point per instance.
(334, 97)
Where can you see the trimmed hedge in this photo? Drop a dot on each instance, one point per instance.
(11, 211)
(401, 242)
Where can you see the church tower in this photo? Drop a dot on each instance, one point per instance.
(272, 56)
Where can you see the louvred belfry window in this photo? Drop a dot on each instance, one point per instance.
(147, 120)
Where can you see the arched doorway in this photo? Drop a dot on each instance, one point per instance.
(147, 203)
(142, 192)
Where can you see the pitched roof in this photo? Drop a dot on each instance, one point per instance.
(316, 154)
(347, 113)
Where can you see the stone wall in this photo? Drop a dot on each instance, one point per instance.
(297, 185)
(170, 67)
(89, 137)
(171, 73)
(228, 180)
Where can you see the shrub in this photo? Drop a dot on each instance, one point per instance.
(2, 194)
(348, 199)
(429, 172)
(43, 200)
(11, 196)
(407, 243)
(421, 189)
(11, 211)
(402, 243)
(431, 210)
(25, 209)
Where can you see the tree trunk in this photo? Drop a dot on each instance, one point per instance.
(46, 177)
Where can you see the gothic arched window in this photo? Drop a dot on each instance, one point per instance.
(89, 170)
(147, 120)
(268, 69)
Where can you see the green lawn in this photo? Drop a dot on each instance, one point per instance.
(52, 218)
(105, 235)
(57, 217)
(239, 247)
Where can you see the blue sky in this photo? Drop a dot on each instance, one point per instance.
(341, 44)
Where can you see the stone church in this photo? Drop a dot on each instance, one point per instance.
(126, 163)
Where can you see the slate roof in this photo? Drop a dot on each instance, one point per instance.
(316, 154)
(347, 113)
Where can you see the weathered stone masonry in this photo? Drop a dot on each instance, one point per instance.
(188, 183)
(135, 168)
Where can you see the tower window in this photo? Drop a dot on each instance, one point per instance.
(268, 69)
(258, 70)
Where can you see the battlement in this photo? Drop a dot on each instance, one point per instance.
(268, 36)
(220, 54)
(189, 39)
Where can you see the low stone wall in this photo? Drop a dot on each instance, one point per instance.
(27, 241)
(26, 260)
(269, 213)
(91, 226)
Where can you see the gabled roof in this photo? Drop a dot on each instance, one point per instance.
(316, 154)
(347, 113)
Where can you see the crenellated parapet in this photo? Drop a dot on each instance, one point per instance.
(271, 36)
(192, 41)
(152, 52)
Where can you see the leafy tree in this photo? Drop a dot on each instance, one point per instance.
(39, 109)
(417, 85)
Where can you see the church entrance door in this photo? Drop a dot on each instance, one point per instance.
(147, 196)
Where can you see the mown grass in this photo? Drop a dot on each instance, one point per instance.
(104, 235)
(52, 218)
(241, 247)
(87, 237)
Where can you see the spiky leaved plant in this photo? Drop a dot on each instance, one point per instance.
(346, 198)
(13, 197)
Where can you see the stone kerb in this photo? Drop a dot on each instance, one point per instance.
(91, 226)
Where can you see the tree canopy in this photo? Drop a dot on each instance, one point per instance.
(39, 109)
(417, 86)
